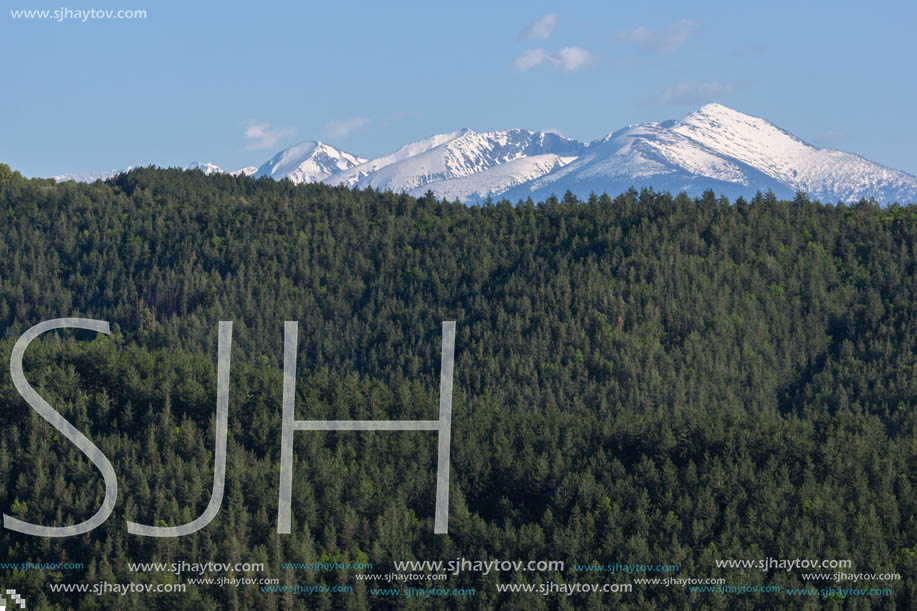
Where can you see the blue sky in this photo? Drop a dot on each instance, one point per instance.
(233, 83)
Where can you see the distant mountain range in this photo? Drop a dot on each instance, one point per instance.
(713, 147)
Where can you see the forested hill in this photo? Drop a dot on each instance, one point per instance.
(639, 379)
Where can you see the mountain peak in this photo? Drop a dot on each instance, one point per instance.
(464, 164)
(246, 171)
(308, 161)
(717, 108)
(718, 116)
(206, 167)
(717, 147)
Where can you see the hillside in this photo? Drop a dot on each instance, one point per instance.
(638, 379)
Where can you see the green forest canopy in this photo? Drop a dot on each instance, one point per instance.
(639, 379)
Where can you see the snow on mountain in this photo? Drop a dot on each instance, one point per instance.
(650, 155)
(355, 177)
(494, 181)
(205, 167)
(461, 164)
(822, 173)
(713, 147)
(246, 171)
(91, 176)
(309, 161)
(730, 152)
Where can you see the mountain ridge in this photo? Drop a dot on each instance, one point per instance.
(713, 147)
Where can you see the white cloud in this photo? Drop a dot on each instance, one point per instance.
(569, 59)
(530, 59)
(540, 29)
(573, 58)
(690, 93)
(262, 136)
(341, 128)
(663, 41)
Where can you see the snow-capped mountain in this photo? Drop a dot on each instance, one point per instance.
(205, 167)
(822, 173)
(496, 180)
(309, 161)
(730, 152)
(464, 164)
(246, 171)
(406, 152)
(713, 147)
(91, 176)
(211, 168)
